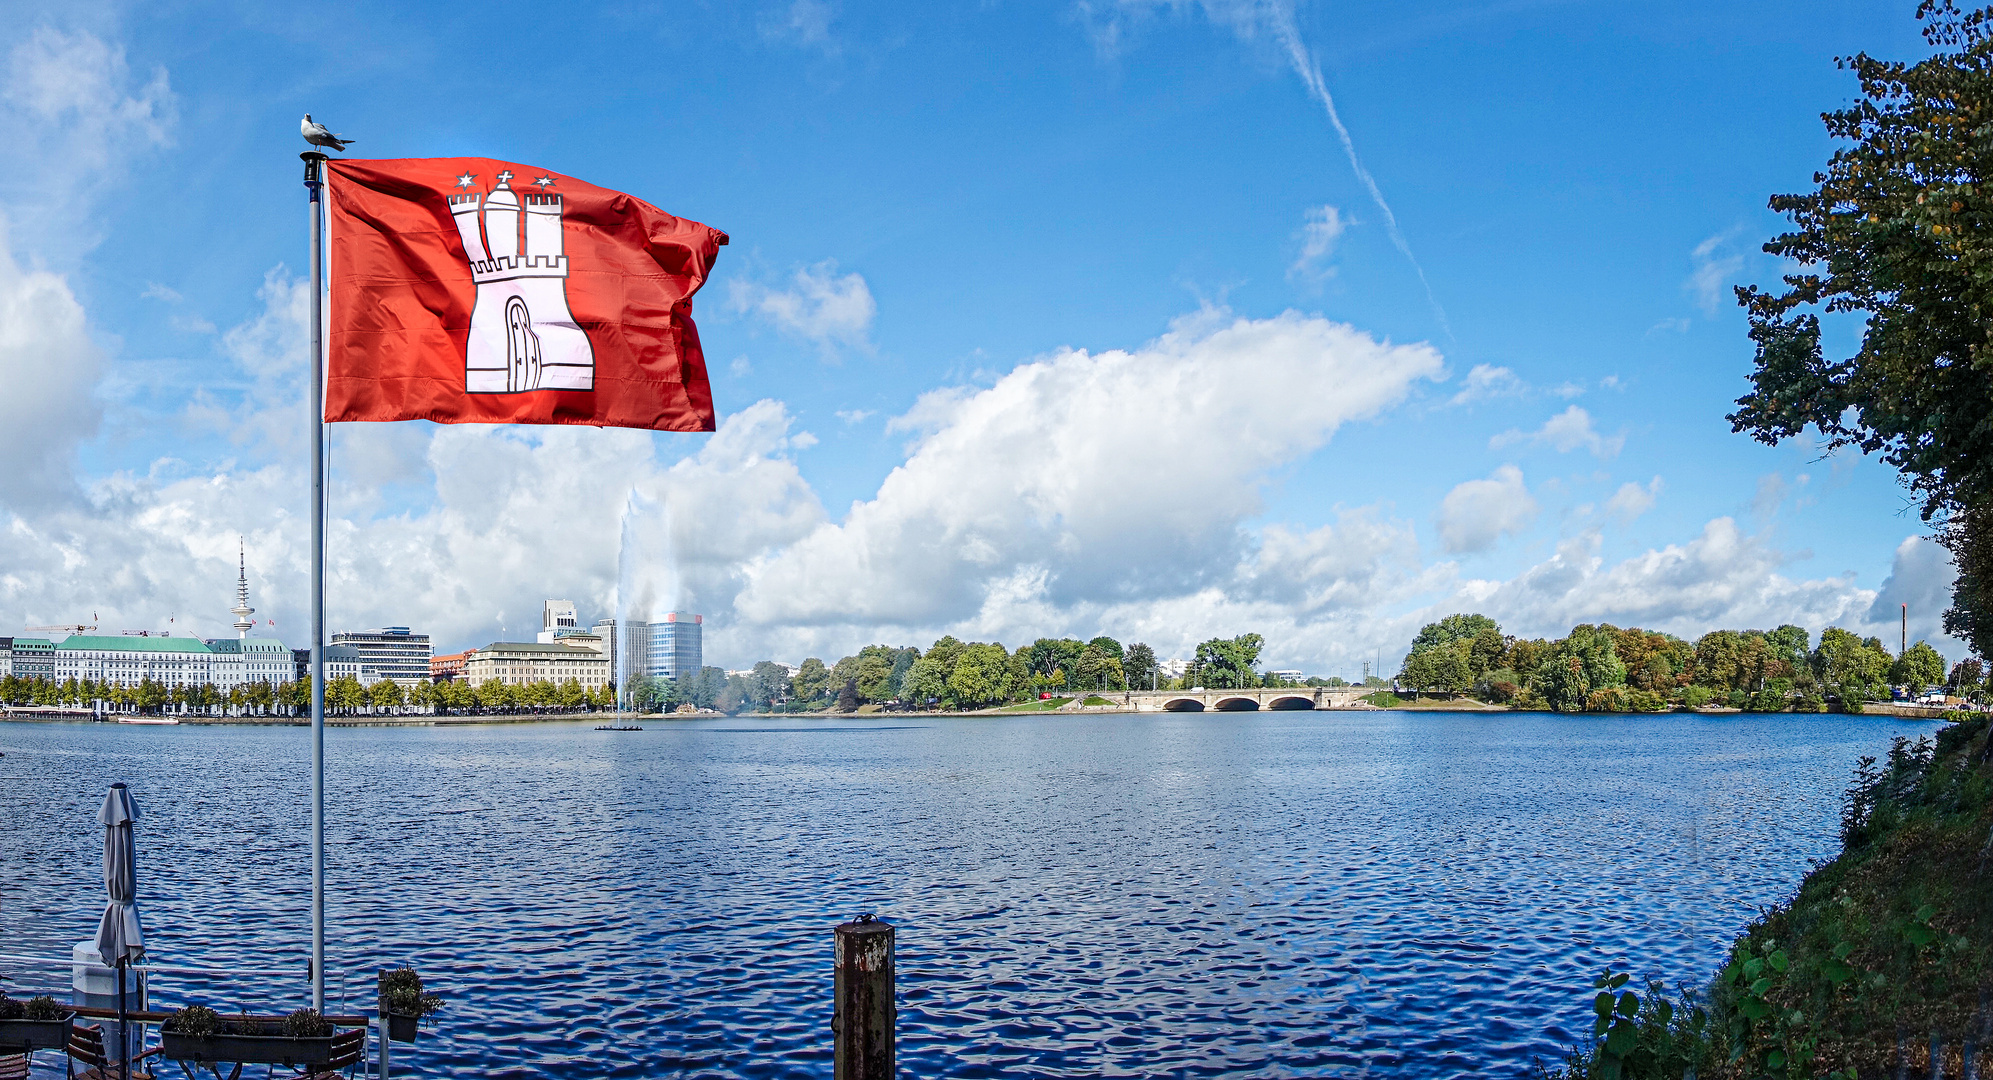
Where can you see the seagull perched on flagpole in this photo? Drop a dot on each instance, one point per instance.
(316, 134)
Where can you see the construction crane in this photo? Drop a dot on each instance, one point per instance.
(68, 628)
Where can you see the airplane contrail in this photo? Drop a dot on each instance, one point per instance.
(1280, 18)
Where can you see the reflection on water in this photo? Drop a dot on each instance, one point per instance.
(1270, 894)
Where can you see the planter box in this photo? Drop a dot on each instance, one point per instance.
(21, 1035)
(246, 1049)
(402, 1028)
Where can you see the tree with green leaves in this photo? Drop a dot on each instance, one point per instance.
(1967, 676)
(1227, 663)
(1453, 628)
(1919, 666)
(847, 698)
(1437, 667)
(1055, 660)
(1899, 232)
(1098, 669)
(926, 681)
(1849, 667)
(1573, 669)
(1138, 666)
(981, 676)
(812, 682)
(902, 663)
(768, 686)
(385, 694)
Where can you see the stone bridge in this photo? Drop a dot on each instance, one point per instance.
(1253, 700)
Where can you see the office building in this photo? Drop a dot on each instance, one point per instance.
(627, 647)
(244, 660)
(344, 660)
(518, 663)
(392, 652)
(447, 667)
(32, 658)
(558, 620)
(675, 647)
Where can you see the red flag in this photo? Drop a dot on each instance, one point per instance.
(472, 291)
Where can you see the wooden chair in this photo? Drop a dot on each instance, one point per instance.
(86, 1044)
(349, 1052)
(14, 1066)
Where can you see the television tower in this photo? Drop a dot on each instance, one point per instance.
(242, 610)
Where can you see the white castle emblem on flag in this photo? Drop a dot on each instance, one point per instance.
(523, 337)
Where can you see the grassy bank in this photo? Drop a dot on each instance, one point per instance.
(1883, 953)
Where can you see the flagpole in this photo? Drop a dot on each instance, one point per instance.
(312, 164)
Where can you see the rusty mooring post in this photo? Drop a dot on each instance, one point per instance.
(865, 1014)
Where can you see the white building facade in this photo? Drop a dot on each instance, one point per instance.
(520, 663)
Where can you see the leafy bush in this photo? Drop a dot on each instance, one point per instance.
(1894, 934)
(1695, 697)
(196, 1020)
(1637, 1036)
(401, 992)
(43, 1007)
(9, 1008)
(307, 1024)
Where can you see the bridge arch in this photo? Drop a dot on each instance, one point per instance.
(1183, 704)
(1290, 703)
(1238, 704)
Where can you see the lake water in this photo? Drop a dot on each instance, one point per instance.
(1241, 894)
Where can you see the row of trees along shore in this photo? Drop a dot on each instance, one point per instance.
(344, 696)
(1599, 668)
(1603, 668)
(952, 674)
(949, 674)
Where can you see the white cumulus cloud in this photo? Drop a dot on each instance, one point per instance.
(1723, 578)
(49, 366)
(1567, 431)
(1094, 472)
(1633, 500)
(73, 120)
(819, 306)
(1477, 513)
(1488, 381)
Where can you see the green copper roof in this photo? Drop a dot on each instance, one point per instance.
(81, 642)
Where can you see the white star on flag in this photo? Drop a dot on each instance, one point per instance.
(545, 181)
(465, 180)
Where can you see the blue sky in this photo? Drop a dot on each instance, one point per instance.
(1037, 319)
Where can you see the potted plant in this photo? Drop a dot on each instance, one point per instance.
(40, 1023)
(199, 1034)
(404, 1003)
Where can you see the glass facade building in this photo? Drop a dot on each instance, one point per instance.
(675, 646)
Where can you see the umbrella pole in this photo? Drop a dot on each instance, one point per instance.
(313, 163)
(124, 1033)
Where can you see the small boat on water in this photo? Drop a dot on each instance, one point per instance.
(148, 720)
(613, 727)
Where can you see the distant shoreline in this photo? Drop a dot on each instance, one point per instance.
(1465, 705)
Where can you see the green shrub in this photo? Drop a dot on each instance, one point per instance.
(1695, 697)
(401, 992)
(1646, 701)
(196, 1020)
(43, 1007)
(9, 1008)
(307, 1024)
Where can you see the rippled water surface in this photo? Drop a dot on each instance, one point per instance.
(1256, 894)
